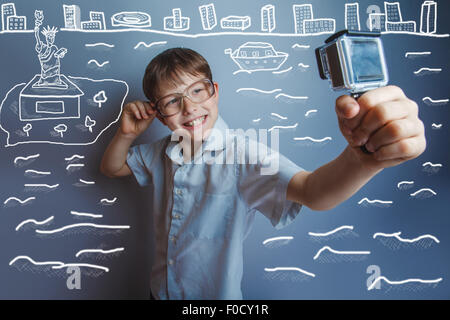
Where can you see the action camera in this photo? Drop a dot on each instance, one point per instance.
(353, 61)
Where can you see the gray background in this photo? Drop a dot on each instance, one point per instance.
(129, 274)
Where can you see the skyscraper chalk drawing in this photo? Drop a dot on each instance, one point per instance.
(268, 22)
(176, 22)
(208, 16)
(305, 23)
(352, 17)
(72, 17)
(428, 17)
(96, 22)
(11, 22)
(394, 20)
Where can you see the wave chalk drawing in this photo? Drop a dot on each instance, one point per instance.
(283, 127)
(329, 255)
(423, 193)
(52, 268)
(73, 157)
(394, 241)
(417, 54)
(105, 201)
(310, 113)
(309, 141)
(291, 274)
(436, 126)
(408, 284)
(40, 223)
(10, 200)
(84, 214)
(435, 102)
(149, 45)
(98, 44)
(365, 202)
(405, 185)
(277, 241)
(84, 227)
(89, 252)
(431, 168)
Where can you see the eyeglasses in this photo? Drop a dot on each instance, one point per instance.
(197, 92)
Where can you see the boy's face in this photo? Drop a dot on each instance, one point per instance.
(206, 111)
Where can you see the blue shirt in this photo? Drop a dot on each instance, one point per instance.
(202, 213)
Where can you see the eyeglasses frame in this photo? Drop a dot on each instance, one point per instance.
(182, 97)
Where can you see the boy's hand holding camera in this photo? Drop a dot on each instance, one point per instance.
(386, 122)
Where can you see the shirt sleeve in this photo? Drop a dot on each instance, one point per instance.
(139, 160)
(263, 186)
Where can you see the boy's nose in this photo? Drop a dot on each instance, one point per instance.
(188, 106)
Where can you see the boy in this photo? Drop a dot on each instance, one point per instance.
(202, 212)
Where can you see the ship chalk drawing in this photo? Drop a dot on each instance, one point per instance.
(257, 56)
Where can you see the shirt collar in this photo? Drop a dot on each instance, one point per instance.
(211, 144)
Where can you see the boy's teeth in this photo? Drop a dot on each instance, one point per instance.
(195, 122)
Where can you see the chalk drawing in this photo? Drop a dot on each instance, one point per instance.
(257, 56)
(131, 19)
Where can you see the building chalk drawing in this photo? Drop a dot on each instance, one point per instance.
(304, 21)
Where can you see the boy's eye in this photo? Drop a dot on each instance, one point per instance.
(171, 101)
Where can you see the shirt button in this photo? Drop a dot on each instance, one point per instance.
(179, 192)
(172, 238)
(170, 262)
(177, 216)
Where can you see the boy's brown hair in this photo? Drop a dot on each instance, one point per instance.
(168, 66)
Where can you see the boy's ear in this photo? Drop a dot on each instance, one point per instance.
(216, 88)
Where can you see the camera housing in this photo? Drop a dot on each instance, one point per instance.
(353, 60)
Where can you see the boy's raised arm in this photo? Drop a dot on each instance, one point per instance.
(387, 123)
(136, 118)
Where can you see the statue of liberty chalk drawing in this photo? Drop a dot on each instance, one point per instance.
(49, 56)
(54, 107)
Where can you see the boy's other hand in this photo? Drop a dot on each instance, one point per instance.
(386, 122)
(136, 118)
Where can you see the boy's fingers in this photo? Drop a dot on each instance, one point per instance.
(141, 107)
(135, 111)
(371, 99)
(377, 117)
(346, 107)
(404, 149)
(376, 96)
(395, 131)
(150, 110)
(148, 107)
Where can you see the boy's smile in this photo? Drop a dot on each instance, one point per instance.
(195, 118)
